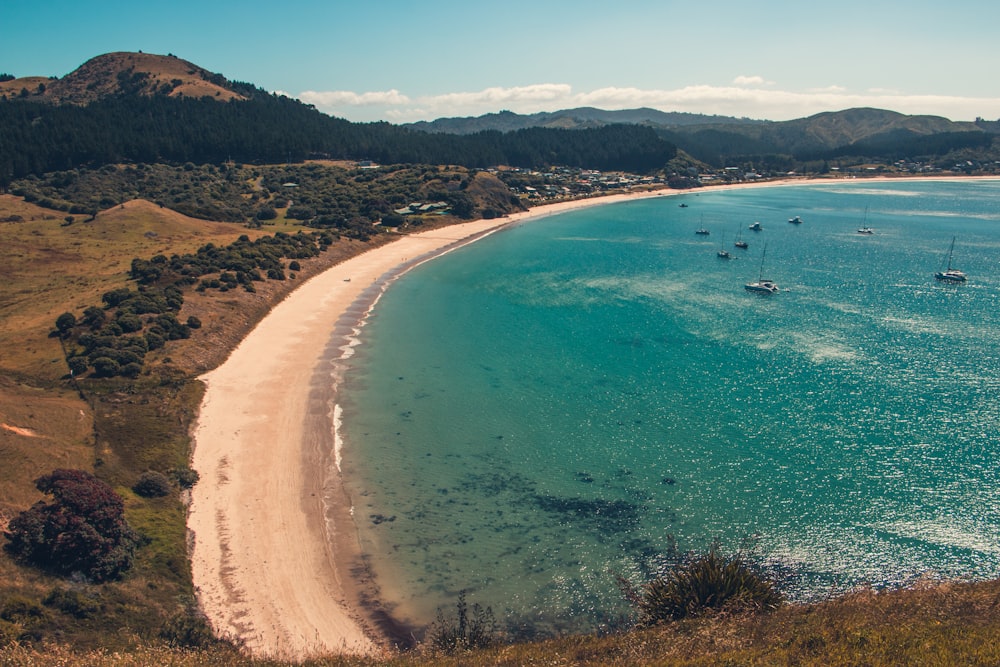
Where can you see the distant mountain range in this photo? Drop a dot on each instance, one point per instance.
(573, 119)
(715, 138)
(260, 131)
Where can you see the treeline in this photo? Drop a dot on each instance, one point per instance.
(36, 138)
(777, 153)
(324, 196)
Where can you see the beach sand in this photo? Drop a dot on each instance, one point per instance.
(273, 545)
(272, 540)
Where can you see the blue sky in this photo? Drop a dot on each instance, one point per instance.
(404, 61)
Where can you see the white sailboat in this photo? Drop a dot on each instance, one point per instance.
(951, 275)
(739, 242)
(865, 229)
(762, 285)
(722, 252)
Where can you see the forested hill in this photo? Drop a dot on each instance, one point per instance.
(850, 136)
(140, 117)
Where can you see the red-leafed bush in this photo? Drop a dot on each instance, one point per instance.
(83, 530)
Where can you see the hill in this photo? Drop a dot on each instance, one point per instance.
(851, 135)
(571, 119)
(125, 107)
(124, 73)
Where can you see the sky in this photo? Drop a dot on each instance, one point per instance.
(403, 61)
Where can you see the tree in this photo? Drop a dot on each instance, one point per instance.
(83, 530)
(106, 367)
(65, 322)
(94, 317)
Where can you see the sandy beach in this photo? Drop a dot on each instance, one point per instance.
(269, 521)
(274, 548)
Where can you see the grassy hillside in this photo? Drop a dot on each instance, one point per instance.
(116, 428)
(123, 72)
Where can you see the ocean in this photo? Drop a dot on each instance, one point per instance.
(562, 404)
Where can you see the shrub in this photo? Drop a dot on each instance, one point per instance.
(71, 602)
(185, 477)
(65, 322)
(78, 365)
(152, 484)
(131, 370)
(188, 629)
(266, 213)
(704, 583)
(94, 317)
(471, 629)
(106, 367)
(83, 530)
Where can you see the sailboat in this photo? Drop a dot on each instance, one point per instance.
(865, 229)
(740, 243)
(950, 275)
(723, 253)
(762, 285)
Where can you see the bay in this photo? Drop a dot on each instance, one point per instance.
(557, 405)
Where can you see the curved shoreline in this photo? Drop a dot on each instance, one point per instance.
(273, 548)
(274, 553)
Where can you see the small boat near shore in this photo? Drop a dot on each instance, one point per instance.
(755, 227)
(797, 220)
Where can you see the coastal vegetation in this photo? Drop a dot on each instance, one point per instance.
(138, 252)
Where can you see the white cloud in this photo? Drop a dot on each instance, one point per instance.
(827, 89)
(345, 98)
(750, 81)
(743, 100)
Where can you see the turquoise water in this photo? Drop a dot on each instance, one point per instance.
(557, 404)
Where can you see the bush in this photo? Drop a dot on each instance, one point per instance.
(152, 484)
(82, 530)
(467, 631)
(71, 602)
(131, 370)
(704, 583)
(65, 322)
(185, 477)
(106, 367)
(188, 629)
(78, 365)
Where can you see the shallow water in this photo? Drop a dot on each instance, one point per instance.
(552, 406)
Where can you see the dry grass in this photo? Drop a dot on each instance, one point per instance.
(50, 268)
(948, 624)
